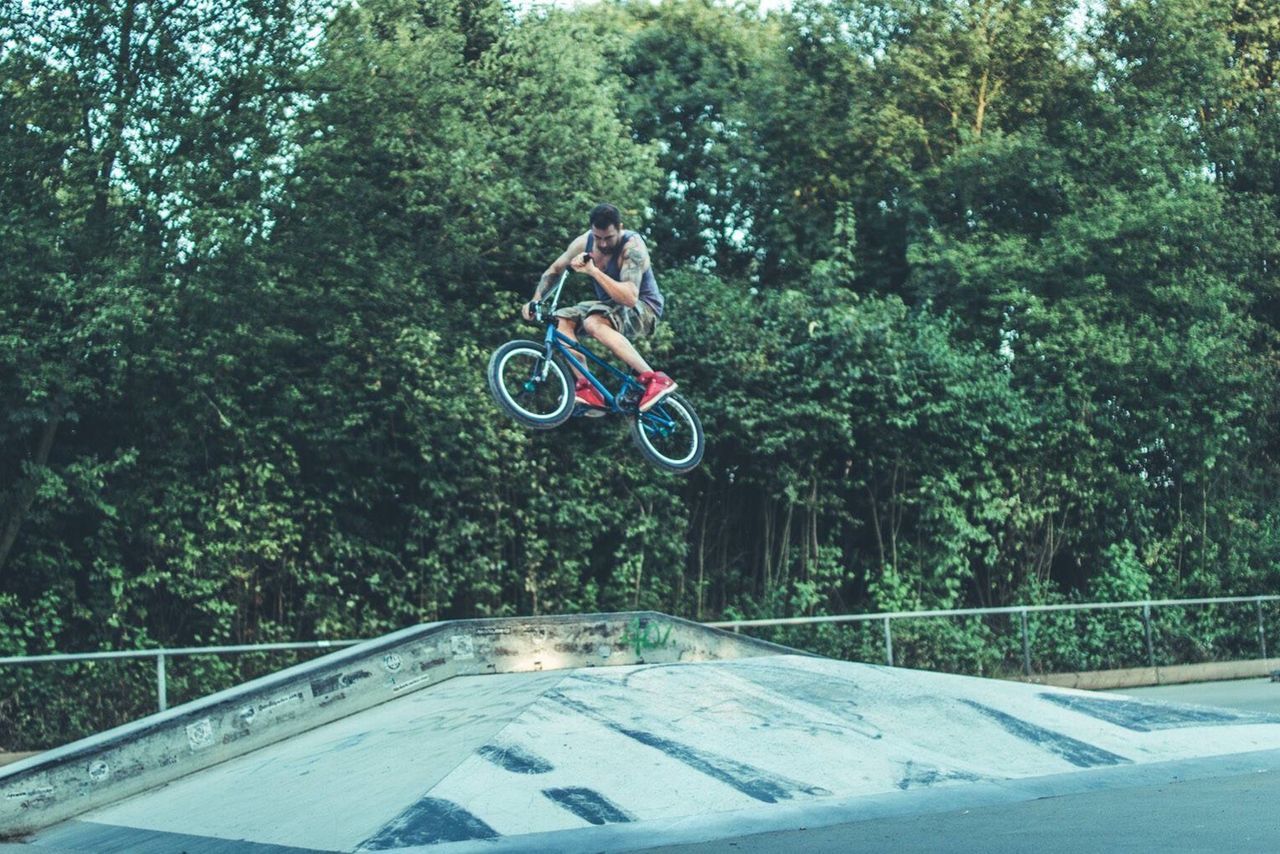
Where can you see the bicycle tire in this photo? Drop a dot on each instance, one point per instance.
(505, 367)
(647, 433)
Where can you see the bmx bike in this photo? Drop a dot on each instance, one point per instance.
(533, 382)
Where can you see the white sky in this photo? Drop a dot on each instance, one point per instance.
(1077, 19)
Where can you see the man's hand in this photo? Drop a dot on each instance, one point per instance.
(582, 263)
(526, 311)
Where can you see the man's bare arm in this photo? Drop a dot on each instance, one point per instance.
(635, 260)
(549, 278)
(626, 288)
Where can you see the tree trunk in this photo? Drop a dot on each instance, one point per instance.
(97, 227)
(982, 104)
(702, 546)
(875, 523)
(767, 550)
(784, 546)
(635, 599)
(813, 526)
(896, 514)
(25, 492)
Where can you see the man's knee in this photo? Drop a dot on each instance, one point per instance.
(566, 325)
(595, 323)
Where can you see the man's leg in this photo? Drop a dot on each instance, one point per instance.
(584, 393)
(600, 328)
(657, 385)
(568, 327)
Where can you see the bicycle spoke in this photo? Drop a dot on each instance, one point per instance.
(520, 375)
(668, 430)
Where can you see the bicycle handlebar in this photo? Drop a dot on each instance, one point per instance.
(554, 296)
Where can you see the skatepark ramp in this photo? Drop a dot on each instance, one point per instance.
(579, 733)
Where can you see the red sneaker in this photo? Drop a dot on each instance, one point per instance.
(657, 386)
(586, 394)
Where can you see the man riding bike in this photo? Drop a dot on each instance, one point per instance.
(628, 303)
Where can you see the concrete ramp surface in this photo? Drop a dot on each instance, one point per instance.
(534, 760)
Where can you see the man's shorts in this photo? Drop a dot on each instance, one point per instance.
(638, 322)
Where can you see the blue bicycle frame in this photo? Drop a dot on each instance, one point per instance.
(627, 400)
(631, 390)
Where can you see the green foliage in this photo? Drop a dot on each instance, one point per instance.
(978, 307)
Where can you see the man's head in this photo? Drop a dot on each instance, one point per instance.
(606, 226)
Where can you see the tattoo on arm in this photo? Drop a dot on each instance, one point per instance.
(548, 280)
(544, 284)
(635, 260)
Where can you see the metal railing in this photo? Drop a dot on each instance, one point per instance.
(162, 655)
(1144, 606)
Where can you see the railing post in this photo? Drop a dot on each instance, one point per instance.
(1262, 632)
(1026, 645)
(162, 690)
(1146, 625)
(888, 643)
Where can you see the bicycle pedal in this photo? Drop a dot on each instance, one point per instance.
(589, 411)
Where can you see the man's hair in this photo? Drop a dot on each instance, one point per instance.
(604, 215)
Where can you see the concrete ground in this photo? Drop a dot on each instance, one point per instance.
(1233, 813)
(762, 754)
(1252, 695)
(719, 756)
(1230, 808)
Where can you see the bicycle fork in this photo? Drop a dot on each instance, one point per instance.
(547, 353)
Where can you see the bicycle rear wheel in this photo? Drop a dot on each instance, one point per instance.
(670, 435)
(533, 391)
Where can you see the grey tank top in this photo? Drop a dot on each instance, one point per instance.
(648, 284)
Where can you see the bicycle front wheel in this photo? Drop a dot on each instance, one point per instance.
(670, 435)
(534, 391)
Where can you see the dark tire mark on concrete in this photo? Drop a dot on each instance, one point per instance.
(589, 805)
(917, 776)
(749, 780)
(427, 822)
(1073, 750)
(835, 695)
(516, 759)
(1142, 716)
